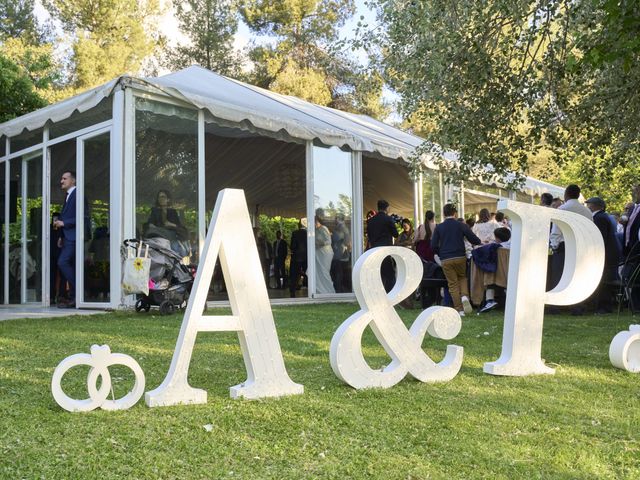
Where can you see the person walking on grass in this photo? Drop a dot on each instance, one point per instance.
(448, 244)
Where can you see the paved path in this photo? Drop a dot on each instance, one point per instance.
(8, 312)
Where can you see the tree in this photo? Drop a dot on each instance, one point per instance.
(506, 83)
(36, 62)
(210, 26)
(28, 47)
(17, 19)
(17, 91)
(110, 37)
(305, 56)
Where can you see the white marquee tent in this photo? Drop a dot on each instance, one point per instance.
(194, 132)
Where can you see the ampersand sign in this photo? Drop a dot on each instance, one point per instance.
(99, 360)
(402, 345)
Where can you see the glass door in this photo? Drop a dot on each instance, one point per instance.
(331, 224)
(93, 250)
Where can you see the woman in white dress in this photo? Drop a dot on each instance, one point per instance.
(324, 255)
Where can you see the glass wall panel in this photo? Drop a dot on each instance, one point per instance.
(332, 203)
(389, 181)
(273, 176)
(15, 230)
(25, 139)
(77, 121)
(25, 211)
(3, 145)
(63, 158)
(33, 216)
(97, 202)
(431, 194)
(167, 176)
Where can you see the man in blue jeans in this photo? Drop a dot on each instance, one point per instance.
(67, 222)
(448, 243)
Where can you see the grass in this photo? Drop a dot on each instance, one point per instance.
(582, 422)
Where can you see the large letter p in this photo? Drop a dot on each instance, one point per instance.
(526, 295)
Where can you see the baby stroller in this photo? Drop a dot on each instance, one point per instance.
(170, 281)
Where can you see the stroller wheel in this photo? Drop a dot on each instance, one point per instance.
(167, 308)
(142, 304)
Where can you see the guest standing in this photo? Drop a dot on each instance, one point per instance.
(280, 251)
(381, 230)
(448, 244)
(67, 243)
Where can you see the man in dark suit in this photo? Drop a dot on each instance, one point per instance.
(602, 296)
(633, 224)
(298, 264)
(67, 243)
(280, 251)
(381, 230)
(631, 249)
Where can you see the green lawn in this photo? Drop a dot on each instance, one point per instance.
(582, 422)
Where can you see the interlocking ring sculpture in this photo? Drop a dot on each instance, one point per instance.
(99, 360)
(402, 345)
(624, 351)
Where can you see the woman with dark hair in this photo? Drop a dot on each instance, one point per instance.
(429, 295)
(422, 238)
(484, 227)
(161, 214)
(406, 238)
(164, 222)
(324, 255)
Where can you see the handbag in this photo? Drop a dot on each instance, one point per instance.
(135, 271)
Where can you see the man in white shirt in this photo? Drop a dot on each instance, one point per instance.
(571, 204)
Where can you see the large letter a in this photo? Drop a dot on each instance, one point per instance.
(230, 235)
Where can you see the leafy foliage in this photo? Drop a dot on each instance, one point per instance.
(503, 82)
(17, 19)
(27, 70)
(17, 91)
(110, 37)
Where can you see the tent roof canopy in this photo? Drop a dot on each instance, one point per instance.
(234, 104)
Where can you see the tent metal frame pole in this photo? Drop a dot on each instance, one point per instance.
(46, 215)
(128, 179)
(23, 229)
(357, 224)
(201, 183)
(7, 197)
(116, 156)
(417, 200)
(443, 196)
(311, 224)
(80, 225)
